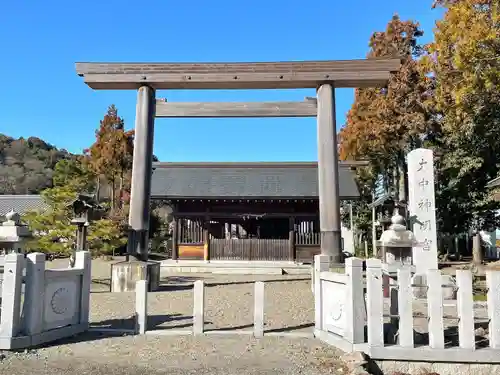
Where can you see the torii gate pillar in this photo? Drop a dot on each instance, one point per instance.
(142, 169)
(328, 175)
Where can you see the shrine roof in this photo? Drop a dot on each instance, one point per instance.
(246, 180)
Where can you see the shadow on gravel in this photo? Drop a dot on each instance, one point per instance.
(104, 282)
(153, 322)
(179, 279)
(179, 283)
(289, 329)
(209, 284)
(451, 336)
(176, 283)
(156, 321)
(84, 337)
(158, 256)
(227, 329)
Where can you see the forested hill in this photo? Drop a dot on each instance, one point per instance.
(27, 165)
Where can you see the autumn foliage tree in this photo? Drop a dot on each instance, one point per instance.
(111, 155)
(446, 97)
(465, 60)
(385, 123)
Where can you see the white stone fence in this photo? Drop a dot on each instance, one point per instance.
(198, 328)
(339, 304)
(54, 305)
(353, 320)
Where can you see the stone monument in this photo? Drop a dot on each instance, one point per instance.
(422, 209)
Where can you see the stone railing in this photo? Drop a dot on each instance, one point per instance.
(56, 301)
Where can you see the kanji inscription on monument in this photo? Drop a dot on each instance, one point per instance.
(422, 206)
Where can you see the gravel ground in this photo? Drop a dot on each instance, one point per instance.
(181, 355)
(289, 303)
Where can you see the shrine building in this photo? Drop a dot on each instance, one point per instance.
(258, 211)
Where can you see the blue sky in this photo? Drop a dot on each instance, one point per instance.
(42, 96)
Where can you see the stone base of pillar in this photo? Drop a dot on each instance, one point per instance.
(331, 245)
(124, 275)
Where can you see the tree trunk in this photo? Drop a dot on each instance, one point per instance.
(477, 251)
(403, 179)
(120, 190)
(395, 181)
(113, 194)
(98, 188)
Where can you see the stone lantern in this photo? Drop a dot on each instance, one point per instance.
(13, 234)
(396, 243)
(82, 208)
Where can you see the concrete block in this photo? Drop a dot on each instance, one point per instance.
(124, 275)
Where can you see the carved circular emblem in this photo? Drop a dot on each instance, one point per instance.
(60, 301)
(336, 311)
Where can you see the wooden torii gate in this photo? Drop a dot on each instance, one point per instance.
(325, 76)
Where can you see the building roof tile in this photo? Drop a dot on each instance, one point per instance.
(244, 180)
(21, 203)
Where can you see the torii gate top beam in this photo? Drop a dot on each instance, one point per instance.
(261, 75)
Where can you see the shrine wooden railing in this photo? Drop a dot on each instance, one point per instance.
(250, 249)
(307, 239)
(307, 232)
(190, 231)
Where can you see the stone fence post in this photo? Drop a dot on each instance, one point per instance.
(10, 319)
(355, 302)
(83, 260)
(321, 264)
(34, 302)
